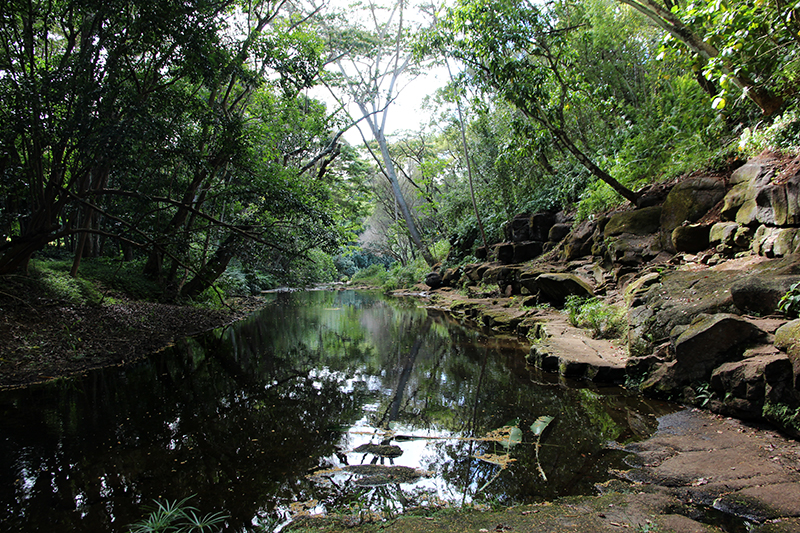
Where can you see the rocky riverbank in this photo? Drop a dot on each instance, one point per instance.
(699, 473)
(698, 269)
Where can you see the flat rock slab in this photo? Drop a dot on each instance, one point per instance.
(749, 471)
(571, 352)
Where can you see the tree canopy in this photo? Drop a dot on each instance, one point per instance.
(184, 133)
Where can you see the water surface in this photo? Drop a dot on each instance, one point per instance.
(260, 420)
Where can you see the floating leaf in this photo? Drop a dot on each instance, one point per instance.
(541, 424)
(538, 428)
(514, 438)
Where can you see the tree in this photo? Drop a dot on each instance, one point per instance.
(520, 51)
(741, 42)
(177, 128)
(371, 65)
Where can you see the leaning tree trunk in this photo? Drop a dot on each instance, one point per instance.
(214, 268)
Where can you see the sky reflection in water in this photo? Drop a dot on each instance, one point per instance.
(260, 420)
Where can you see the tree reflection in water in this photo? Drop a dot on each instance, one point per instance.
(244, 416)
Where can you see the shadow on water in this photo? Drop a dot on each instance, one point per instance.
(323, 401)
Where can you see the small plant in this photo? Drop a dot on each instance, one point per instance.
(702, 394)
(604, 320)
(177, 517)
(790, 302)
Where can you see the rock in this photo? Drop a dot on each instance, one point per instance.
(775, 242)
(640, 285)
(747, 381)
(504, 253)
(757, 197)
(688, 201)
(760, 294)
(723, 233)
(680, 296)
(556, 287)
(525, 251)
(527, 280)
(638, 222)
(519, 229)
(708, 342)
(579, 242)
(558, 232)
(691, 238)
(530, 227)
(787, 339)
(451, 277)
(540, 224)
(433, 280)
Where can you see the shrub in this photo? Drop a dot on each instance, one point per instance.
(375, 274)
(790, 302)
(604, 320)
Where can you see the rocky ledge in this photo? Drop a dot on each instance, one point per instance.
(698, 269)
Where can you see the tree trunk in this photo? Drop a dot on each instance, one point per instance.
(391, 174)
(213, 269)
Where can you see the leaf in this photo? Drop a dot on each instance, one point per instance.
(541, 424)
(514, 438)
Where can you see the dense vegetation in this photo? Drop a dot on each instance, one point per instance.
(181, 138)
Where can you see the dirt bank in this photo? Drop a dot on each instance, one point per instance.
(44, 338)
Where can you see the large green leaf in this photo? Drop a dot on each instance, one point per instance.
(541, 424)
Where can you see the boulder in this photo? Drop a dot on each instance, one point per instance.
(744, 384)
(638, 222)
(690, 238)
(708, 342)
(723, 233)
(540, 224)
(558, 232)
(688, 201)
(433, 280)
(527, 280)
(787, 339)
(762, 196)
(525, 251)
(504, 253)
(775, 242)
(527, 227)
(519, 229)
(760, 294)
(579, 242)
(451, 277)
(557, 287)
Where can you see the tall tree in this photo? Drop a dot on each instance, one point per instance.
(371, 65)
(741, 42)
(520, 51)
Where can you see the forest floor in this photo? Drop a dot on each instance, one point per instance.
(43, 338)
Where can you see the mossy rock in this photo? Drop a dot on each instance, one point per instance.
(638, 222)
(689, 200)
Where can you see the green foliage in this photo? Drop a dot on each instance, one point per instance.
(374, 275)
(55, 280)
(440, 250)
(783, 415)
(789, 303)
(178, 517)
(604, 320)
(403, 277)
(782, 134)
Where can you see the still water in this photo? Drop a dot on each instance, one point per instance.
(274, 415)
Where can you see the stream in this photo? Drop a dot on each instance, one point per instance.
(337, 402)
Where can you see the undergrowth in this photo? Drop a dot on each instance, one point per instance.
(604, 320)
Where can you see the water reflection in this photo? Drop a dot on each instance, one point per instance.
(272, 417)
